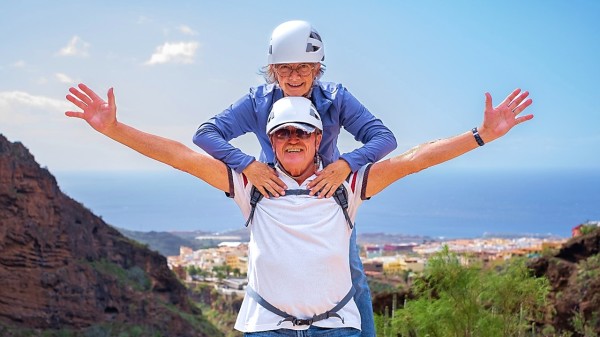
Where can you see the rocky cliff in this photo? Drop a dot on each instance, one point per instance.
(63, 269)
(574, 274)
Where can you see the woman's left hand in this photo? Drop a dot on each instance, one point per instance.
(329, 178)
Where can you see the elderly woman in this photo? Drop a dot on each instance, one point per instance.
(295, 57)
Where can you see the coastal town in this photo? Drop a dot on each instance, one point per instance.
(225, 265)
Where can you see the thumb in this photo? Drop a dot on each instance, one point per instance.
(111, 98)
(488, 101)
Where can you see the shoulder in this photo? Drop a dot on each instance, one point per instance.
(329, 90)
(358, 181)
(263, 96)
(263, 90)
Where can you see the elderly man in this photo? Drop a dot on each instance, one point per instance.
(299, 275)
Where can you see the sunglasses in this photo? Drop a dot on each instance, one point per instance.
(285, 134)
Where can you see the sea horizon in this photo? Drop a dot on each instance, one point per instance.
(449, 203)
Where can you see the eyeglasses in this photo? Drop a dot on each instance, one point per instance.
(285, 134)
(285, 70)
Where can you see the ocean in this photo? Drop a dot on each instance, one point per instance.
(447, 203)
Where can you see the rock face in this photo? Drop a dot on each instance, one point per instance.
(574, 274)
(63, 267)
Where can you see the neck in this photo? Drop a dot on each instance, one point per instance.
(312, 169)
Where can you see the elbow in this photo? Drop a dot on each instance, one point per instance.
(202, 136)
(393, 144)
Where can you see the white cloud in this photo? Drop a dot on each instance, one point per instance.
(24, 99)
(63, 78)
(187, 30)
(176, 52)
(75, 47)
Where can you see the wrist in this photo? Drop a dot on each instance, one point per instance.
(244, 169)
(477, 136)
(345, 164)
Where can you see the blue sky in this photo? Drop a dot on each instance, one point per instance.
(420, 66)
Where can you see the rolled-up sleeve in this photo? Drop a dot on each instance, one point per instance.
(214, 135)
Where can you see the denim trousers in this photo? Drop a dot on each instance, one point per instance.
(313, 331)
(362, 298)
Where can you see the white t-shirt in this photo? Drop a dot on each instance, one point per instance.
(298, 257)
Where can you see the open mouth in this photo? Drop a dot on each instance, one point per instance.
(293, 150)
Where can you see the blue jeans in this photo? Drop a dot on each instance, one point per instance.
(362, 298)
(313, 331)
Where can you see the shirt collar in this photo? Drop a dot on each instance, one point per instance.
(291, 182)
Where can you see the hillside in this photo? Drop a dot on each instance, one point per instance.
(574, 274)
(65, 272)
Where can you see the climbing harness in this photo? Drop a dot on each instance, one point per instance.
(340, 196)
(302, 321)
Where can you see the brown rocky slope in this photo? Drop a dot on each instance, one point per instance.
(574, 275)
(63, 269)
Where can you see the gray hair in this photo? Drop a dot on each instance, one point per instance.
(268, 73)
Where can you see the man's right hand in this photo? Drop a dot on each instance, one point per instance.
(265, 179)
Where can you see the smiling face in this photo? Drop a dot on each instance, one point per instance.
(298, 82)
(296, 153)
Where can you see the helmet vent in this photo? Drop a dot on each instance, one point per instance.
(310, 48)
(315, 35)
(314, 114)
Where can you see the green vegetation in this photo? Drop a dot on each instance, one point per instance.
(134, 277)
(99, 330)
(587, 229)
(199, 322)
(223, 321)
(455, 300)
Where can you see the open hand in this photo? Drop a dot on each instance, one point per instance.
(329, 178)
(265, 179)
(497, 121)
(96, 112)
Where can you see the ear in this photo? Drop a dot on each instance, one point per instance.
(318, 139)
(317, 69)
(273, 146)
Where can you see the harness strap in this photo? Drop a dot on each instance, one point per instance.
(299, 321)
(255, 197)
(340, 196)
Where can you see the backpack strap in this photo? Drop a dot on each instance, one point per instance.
(299, 321)
(255, 197)
(341, 198)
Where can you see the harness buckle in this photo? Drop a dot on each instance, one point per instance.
(298, 321)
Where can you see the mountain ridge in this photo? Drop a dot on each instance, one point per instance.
(63, 268)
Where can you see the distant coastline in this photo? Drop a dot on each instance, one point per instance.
(437, 204)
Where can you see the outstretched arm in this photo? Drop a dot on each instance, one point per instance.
(496, 123)
(102, 116)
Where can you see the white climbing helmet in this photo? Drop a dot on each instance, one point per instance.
(298, 112)
(295, 42)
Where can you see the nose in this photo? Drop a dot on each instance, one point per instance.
(294, 137)
(294, 73)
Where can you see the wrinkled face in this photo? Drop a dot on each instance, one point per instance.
(296, 79)
(295, 150)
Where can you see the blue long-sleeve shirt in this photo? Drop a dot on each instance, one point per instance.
(337, 107)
